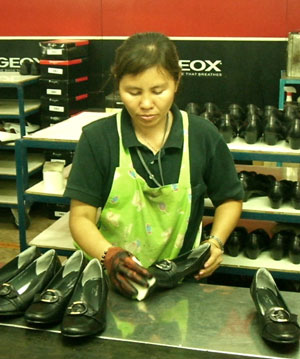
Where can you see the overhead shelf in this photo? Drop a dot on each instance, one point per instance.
(10, 107)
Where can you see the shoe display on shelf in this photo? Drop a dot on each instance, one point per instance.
(251, 129)
(293, 136)
(18, 264)
(294, 249)
(279, 244)
(86, 311)
(277, 323)
(227, 127)
(295, 196)
(280, 192)
(192, 108)
(257, 241)
(17, 294)
(211, 112)
(255, 184)
(48, 307)
(274, 130)
(236, 241)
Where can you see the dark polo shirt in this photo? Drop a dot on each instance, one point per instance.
(211, 164)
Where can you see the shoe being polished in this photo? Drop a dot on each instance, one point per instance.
(17, 294)
(18, 264)
(277, 323)
(86, 311)
(48, 307)
(168, 273)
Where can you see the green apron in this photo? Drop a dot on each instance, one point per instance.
(149, 222)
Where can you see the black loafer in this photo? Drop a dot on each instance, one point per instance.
(17, 294)
(18, 264)
(277, 324)
(168, 273)
(48, 307)
(86, 311)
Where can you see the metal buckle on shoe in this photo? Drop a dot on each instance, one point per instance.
(49, 296)
(164, 265)
(5, 289)
(279, 314)
(77, 308)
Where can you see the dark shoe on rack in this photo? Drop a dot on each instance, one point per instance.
(294, 134)
(17, 294)
(48, 307)
(35, 68)
(227, 127)
(257, 241)
(18, 264)
(294, 249)
(86, 311)
(295, 196)
(274, 130)
(254, 184)
(237, 113)
(236, 241)
(280, 192)
(192, 108)
(279, 244)
(277, 323)
(168, 273)
(211, 112)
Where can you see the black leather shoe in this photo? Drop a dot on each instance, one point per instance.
(294, 134)
(252, 128)
(280, 192)
(19, 263)
(17, 294)
(295, 196)
(277, 323)
(236, 241)
(274, 130)
(86, 311)
(294, 249)
(35, 68)
(255, 184)
(25, 68)
(48, 307)
(257, 241)
(192, 108)
(168, 273)
(227, 127)
(279, 244)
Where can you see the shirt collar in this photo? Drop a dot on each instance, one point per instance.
(175, 138)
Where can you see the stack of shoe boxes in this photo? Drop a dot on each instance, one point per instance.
(64, 79)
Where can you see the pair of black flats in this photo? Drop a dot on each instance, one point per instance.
(46, 292)
(277, 324)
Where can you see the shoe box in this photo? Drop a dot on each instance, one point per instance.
(50, 120)
(63, 106)
(64, 69)
(64, 49)
(293, 54)
(63, 88)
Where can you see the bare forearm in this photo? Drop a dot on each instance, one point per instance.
(226, 218)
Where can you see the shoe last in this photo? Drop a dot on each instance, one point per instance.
(277, 324)
(48, 306)
(17, 294)
(19, 263)
(86, 311)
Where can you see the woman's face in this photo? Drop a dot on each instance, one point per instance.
(148, 96)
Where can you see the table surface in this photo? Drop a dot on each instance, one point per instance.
(13, 77)
(194, 320)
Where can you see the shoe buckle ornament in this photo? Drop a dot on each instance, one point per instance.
(279, 315)
(5, 289)
(49, 296)
(77, 308)
(164, 265)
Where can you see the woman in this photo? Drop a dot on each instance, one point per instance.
(139, 178)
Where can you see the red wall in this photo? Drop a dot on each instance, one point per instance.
(196, 18)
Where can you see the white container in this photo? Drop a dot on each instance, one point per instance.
(53, 176)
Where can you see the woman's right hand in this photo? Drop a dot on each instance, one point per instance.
(121, 266)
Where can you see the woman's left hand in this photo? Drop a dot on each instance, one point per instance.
(213, 262)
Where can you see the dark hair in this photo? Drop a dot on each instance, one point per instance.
(143, 51)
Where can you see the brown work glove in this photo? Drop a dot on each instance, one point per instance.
(120, 267)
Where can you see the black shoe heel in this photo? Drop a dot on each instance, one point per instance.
(251, 137)
(295, 143)
(271, 138)
(277, 323)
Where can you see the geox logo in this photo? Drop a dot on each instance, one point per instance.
(201, 67)
(15, 62)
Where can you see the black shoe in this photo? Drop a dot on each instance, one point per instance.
(35, 68)
(17, 294)
(86, 311)
(255, 184)
(18, 264)
(25, 68)
(211, 112)
(280, 192)
(236, 241)
(227, 127)
(168, 273)
(277, 324)
(48, 307)
(193, 108)
(294, 134)
(295, 196)
(257, 241)
(279, 244)
(252, 128)
(294, 249)
(274, 130)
